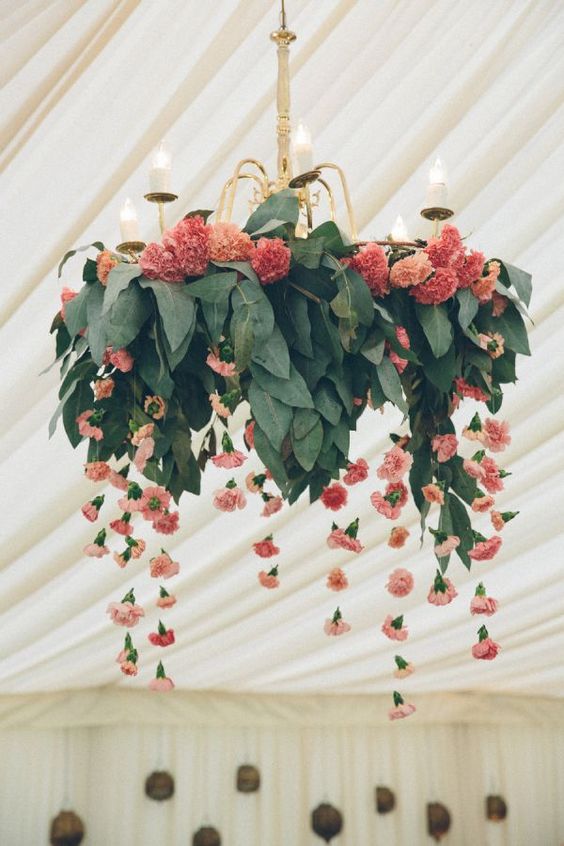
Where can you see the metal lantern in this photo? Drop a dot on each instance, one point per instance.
(438, 820)
(496, 808)
(326, 821)
(159, 786)
(385, 800)
(206, 836)
(248, 779)
(67, 829)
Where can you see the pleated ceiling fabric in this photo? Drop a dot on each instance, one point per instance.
(89, 89)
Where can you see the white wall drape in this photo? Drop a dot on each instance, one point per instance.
(92, 751)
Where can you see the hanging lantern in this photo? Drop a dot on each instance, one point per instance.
(326, 821)
(496, 808)
(159, 786)
(385, 800)
(438, 820)
(67, 829)
(206, 836)
(248, 779)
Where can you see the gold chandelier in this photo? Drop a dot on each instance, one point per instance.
(307, 185)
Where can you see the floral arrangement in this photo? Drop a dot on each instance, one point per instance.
(311, 333)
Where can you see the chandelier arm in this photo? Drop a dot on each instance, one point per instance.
(346, 194)
(328, 189)
(263, 183)
(227, 186)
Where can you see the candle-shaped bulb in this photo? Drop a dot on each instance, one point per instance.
(399, 230)
(437, 193)
(159, 175)
(128, 222)
(303, 149)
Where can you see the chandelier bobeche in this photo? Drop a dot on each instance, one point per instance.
(309, 328)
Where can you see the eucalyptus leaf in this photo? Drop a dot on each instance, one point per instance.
(273, 416)
(282, 206)
(307, 449)
(467, 307)
(214, 288)
(118, 279)
(292, 391)
(391, 384)
(176, 307)
(436, 325)
(273, 355)
(98, 244)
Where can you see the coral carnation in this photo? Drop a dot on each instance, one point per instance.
(371, 263)
(97, 471)
(228, 243)
(396, 464)
(437, 289)
(167, 523)
(337, 580)
(410, 271)
(394, 629)
(356, 472)
(496, 434)
(158, 263)
(271, 260)
(188, 242)
(104, 263)
(486, 549)
(269, 580)
(163, 567)
(400, 582)
(103, 388)
(229, 498)
(445, 446)
(398, 537)
(223, 368)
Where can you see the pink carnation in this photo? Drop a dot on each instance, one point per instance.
(105, 262)
(383, 507)
(403, 338)
(356, 472)
(166, 601)
(228, 499)
(437, 289)
(218, 407)
(271, 260)
(471, 270)
(371, 263)
(121, 359)
(336, 626)
(118, 481)
(121, 559)
(473, 468)
(167, 523)
(144, 453)
(486, 649)
(491, 478)
(486, 549)
(162, 685)
(229, 460)
(404, 672)
(337, 580)
(499, 304)
(447, 546)
(249, 435)
(266, 548)
(396, 464)
(159, 638)
(399, 712)
(334, 496)
(400, 582)
(97, 471)
(137, 547)
(90, 511)
(483, 288)
(411, 270)
(483, 605)
(481, 504)
(156, 262)
(338, 539)
(94, 550)
(163, 567)
(223, 368)
(125, 613)
(228, 243)
(471, 391)
(122, 527)
(445, 446)
(433, 493)
(67, 294)
(269, 580)
(155, 499)
(188, 242)
(142, 432)
(447, 250)
(496, 434)
(86, 429)
(129, 668)
(272, 505)
(397, 632)
(438, 597)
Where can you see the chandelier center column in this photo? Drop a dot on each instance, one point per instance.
(283, 37)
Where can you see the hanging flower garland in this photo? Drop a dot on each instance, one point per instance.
(311, 333)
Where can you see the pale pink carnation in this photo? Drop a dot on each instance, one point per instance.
(437, 289)
(188, 241)
(383, 507)
(86, 429)
(399, 712)
(404, 672)
(155, 407)
(337, 580)
(473, 434)
(156, 262)
(411, 270)
(483, 605)
(499, 304)
(143, 453)
(445, 446)
(437, 597)
(255, 482)
(486, 649)
(486, 550)
(403, 338)
(338, 539)
(272, 505)
(163, 567)
(483, 288)
(93, 550)
(271, 260)
(125, 613)
(334, 628)
(356, 472)
(228, 243)
(496, 434)
(166, 601)
(223, 368)
(103, 388)
(473, 468)
(118, 481)
(90, 512)
(491, 478)
(371, 263)
(400, 582)
(143, 432)
(396, 464)
(217, 405)
(228, 499)
(481, 504)
(433, 493)
(155, 499)
(497, 520)
(268, 580)
(391, 632)
(229, 460)
(97, 471)
(161, 685)
(104, 263)
(120, 559)
(167, 523)
(447, 546)
(137, 548)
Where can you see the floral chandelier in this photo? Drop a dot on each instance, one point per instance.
(310, 328)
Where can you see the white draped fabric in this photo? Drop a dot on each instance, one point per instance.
(89, 88)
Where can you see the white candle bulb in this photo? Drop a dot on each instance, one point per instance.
(159, 175)
(128, 222)
(437, 193)
(399, 230)
(303, 149)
